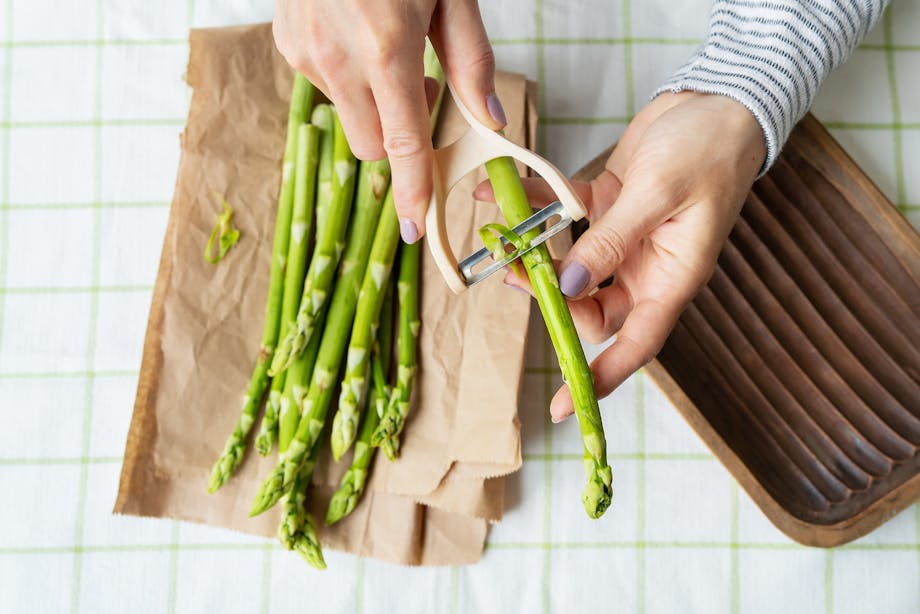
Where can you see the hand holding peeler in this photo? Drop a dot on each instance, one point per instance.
(451, 163)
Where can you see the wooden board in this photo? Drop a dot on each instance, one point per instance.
(799, 363)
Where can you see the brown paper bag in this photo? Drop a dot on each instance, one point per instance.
(432, 506)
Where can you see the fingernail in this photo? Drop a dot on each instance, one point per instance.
(557, 419)
(518, 288)
(496, 110)
(408, 230)
(573, 280)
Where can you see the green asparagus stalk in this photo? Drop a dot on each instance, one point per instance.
(296, 385)
(393, 417)
(509, 193)
(328, 361)
(232, 455)
(301, 231)
(329, 246)
(297, 530)
(324, 119)
(370, 300)
(351, 487)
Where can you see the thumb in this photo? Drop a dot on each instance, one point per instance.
(460, 39)
(596, 255)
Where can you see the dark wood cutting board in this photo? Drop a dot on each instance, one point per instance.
(799, 363)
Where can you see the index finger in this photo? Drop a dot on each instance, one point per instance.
(639, 340)
(399, 91)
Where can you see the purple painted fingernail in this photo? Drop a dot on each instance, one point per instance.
(408, 230)
(573, 280)
(496, 110)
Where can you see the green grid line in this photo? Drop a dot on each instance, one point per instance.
(359, 586)
(76, 289)
(590, 40)
(547, 382)
(895, 108)
(95, 123)
(523, 546)
(110, 204)
(496, 41)
(4, 215)
(93, 322)
(640, 490)
(628, 58)
(625, 456)
(64, 460)
(172, 572)
(69, 374)
(93, 42)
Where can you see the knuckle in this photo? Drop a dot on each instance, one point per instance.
(482, 60)
(607, 244)
(402, 146)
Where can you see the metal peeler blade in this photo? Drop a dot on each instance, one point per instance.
(534, 221)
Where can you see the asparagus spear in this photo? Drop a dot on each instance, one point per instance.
(324, 119)
(328, 361)
(296, 385)
(511, 199)
(297, 530)
(301, 231)
(351, 487)
(232, 455)
(370, 300)
(326, 254)
(393, 418)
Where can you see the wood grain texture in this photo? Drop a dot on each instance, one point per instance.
(799, 363)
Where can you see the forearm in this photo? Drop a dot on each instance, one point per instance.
(772, 56)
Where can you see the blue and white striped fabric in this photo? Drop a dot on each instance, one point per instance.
(773, 56)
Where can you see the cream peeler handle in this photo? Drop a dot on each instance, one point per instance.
(453, 162)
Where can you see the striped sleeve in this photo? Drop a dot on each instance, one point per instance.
(772, 56)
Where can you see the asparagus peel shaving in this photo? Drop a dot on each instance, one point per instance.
(301, 230)
(509, 193)
(232, 455)
(330, 243)
(224, 232)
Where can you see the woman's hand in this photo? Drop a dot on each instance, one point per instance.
(367, 58)
(660, 213)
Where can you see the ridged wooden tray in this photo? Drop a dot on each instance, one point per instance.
(799, 363)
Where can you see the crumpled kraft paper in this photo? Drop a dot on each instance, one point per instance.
(432, 506)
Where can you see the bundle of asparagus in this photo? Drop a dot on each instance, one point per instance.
(334, 307)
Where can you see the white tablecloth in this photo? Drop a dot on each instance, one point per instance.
(92, 103)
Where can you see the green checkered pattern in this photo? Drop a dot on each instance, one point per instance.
(91, 105)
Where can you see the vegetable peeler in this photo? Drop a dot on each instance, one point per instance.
(451, 163)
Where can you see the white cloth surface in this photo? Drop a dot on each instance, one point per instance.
(92, 101)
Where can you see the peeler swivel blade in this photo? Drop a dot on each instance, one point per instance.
(534, 222)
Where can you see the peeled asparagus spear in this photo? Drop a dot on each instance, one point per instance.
(351, 487)
(393, 417)
(232, 455)
(301, 231)
(328, 361)
(330, 243)
(511, 199)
